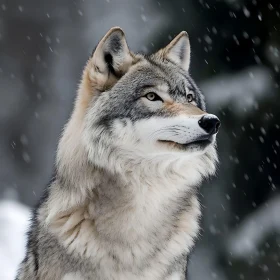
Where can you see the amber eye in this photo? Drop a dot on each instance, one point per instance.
(190, 97)
(153, 97)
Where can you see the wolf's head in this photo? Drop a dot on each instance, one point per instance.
(133, 106)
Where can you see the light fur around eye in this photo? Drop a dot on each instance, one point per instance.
(152, 102)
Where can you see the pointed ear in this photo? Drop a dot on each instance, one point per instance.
(179, 51)
(111, 59)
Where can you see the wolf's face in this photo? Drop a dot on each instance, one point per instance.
(147, 105)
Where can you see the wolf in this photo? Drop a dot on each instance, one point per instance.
(123, 203)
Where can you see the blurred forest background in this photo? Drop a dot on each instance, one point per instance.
(235, 60)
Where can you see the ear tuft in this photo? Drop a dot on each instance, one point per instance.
(111, 59)
(115, 40)
(179, 51)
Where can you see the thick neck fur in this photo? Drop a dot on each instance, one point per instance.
(96, 209)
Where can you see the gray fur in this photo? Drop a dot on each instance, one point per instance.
(123, 201)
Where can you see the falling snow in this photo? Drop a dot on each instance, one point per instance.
(246, 12)
(235, 58)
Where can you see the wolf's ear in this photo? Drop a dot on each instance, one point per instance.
(179, 50)
(111, 59)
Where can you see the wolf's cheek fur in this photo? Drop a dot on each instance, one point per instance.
(180, 129)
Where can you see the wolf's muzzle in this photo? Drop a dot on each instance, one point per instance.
(210, 124)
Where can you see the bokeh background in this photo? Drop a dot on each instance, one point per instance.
(235, 60)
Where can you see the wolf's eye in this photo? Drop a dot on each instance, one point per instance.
(190, 97)
(153, 97)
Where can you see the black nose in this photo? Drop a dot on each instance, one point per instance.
(210, 124)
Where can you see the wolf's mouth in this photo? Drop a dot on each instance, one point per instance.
(202, 142)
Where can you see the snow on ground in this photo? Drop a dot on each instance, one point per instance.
(14, 220)
(244, 241)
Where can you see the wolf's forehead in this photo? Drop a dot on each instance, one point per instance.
(160, 75)
(172, 75)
